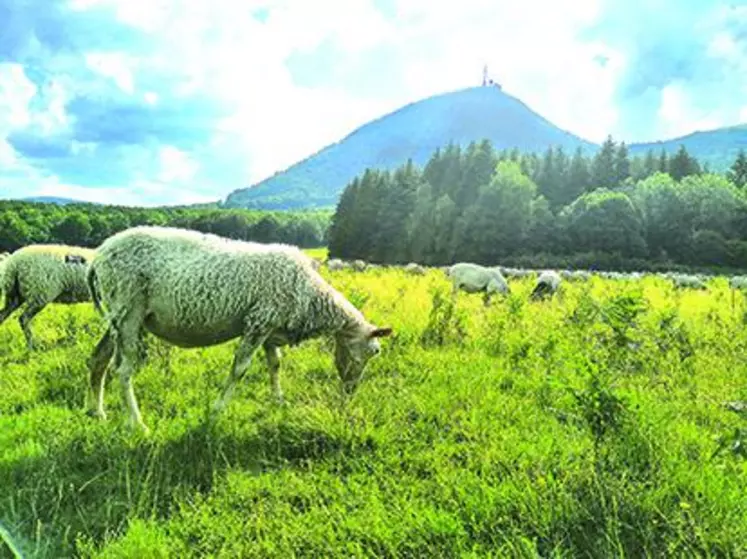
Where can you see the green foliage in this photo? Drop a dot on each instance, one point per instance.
(610, 210)
(23, 223)
(588, 426)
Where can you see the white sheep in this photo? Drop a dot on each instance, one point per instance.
(688, 281)
(738, 282)
(415, 269)
(335, 264)
(197, 290)
(473, 278)
(360, 265)
(37, 275)
(547, 284)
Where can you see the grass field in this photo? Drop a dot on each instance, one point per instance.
(590, 425)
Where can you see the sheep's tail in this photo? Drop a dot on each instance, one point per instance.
(91, 281)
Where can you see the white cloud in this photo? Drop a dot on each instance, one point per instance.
(115, 66)
(16, 92)
(176, 166)
(678, 115)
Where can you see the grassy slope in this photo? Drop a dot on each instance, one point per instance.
(415, 131)
(447, 449)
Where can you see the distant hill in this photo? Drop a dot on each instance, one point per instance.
(414, 131)
(53, 200)
(718, 148)
(418, 129)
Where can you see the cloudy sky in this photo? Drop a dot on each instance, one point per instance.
(179, 101)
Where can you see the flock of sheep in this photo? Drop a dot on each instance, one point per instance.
(194, 289)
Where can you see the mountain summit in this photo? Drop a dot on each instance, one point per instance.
(414, 131)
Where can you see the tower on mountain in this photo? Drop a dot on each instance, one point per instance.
(486, 81)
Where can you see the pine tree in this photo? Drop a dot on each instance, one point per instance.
(737, 173)
(578, 178)
(650, 165)
(683, 165)
(342, 227)
(663, 163)
(622, 164)
(603, 169)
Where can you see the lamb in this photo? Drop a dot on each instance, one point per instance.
(197, 290)
(474, 278)
(547, 284)
(41, 274)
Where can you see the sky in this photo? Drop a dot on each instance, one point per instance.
(147, 102)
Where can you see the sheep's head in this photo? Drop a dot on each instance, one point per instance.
(354, 347)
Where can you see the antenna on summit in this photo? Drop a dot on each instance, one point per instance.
(485, 75)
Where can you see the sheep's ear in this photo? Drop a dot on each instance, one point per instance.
(380, 332)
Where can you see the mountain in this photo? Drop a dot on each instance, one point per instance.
(718, 148)
(418, 129)
(413, 131)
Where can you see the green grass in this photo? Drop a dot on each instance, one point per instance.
(590, 425)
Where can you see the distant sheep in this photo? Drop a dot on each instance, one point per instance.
(41, 274)
(473, 278)
(359, 265)
(198, 290)
(738, 282)
(547, 284)
(335, 264)
(688, 281)
(415, 269)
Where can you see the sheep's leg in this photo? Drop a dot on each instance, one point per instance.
(127, 341)
(11, 304)
(272, 354)
(486, 298)
(33, 308)
(241, 361)
(97, 365)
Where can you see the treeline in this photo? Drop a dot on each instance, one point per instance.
(23, 223)
(609, 211)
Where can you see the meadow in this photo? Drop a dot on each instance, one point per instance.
(592, 424)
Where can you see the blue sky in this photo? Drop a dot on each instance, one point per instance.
(177, 101)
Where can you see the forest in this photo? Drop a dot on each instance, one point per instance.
(23, 223)
(608, 211)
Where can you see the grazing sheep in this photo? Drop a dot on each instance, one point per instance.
(474, 278)
(547, 284)
(688, 281)
(416, 269)
(197, 290)
(360, 265)
(41, 274)
(335, 264)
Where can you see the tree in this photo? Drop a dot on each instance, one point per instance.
(683, 165)
(737, 173)
(606, 221)
(603, 169)
(578, 178)
(622, 164)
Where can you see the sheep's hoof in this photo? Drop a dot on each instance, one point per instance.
(96, 414)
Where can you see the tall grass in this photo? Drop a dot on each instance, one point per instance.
(589, 425)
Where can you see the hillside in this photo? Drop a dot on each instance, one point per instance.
(414, 131)
(53, 200)
(718, 148)
(418, 129)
